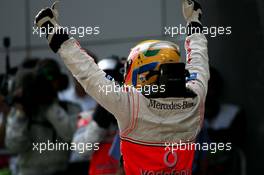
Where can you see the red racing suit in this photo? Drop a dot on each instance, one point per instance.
(147, 125)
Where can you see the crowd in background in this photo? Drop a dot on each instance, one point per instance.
(40, 103)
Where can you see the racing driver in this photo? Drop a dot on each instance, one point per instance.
(163, 99)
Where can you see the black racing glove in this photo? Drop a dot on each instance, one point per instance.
(46, 20)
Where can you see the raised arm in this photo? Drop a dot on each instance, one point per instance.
(196, 48)
(81, 65)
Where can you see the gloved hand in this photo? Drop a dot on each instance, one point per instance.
(47, 20)
(192, 13)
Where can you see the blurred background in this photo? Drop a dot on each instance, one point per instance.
(123, 23)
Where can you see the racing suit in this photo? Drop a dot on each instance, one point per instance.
(147, 125)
